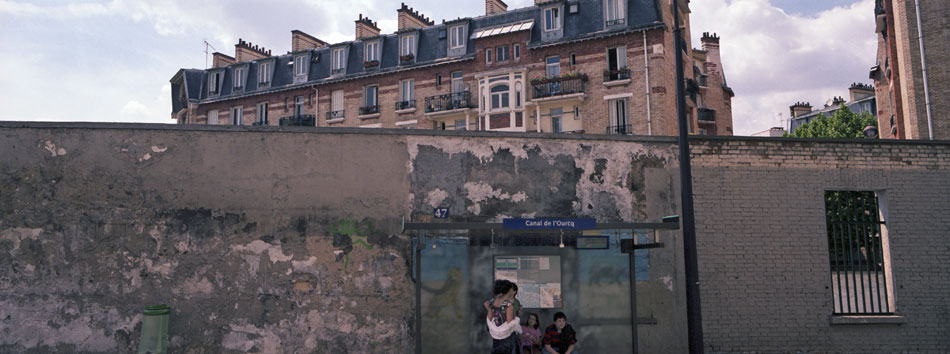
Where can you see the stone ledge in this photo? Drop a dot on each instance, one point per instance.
(335, 120)
(407, 110)
(617, 82)
(868, 320)
(369, 116)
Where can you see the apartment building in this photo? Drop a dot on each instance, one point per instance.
(913, 66)
(595, 67)
(861, 99)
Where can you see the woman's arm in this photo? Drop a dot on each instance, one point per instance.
(509, 313)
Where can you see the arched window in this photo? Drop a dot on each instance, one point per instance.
(499, 96)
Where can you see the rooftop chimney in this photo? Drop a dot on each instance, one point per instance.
(837, 101)
(247, 51)
(800, 108)
(302, 41)
(221, 59)
(409, 18)
(495, 7)
(366, 28)
(709, 40)
(860, 91)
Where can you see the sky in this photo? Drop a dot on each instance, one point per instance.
(111, 60)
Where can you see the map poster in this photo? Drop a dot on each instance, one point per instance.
(551, 295)
(530, 295)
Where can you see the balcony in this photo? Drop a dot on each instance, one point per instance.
(703, 80)
(367, 110)
(337, 71)
(558, 86)
(619, 130)
(707, 115)
(305, 120)
(449, 102)
(617, 22)
(335, 115)
(402, 105)
(616, 74)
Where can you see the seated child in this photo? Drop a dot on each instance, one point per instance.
(559, 338)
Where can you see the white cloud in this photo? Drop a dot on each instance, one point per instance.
(773, 59)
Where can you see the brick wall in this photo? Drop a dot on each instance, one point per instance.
(764, 259)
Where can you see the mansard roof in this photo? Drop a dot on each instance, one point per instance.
(431, 48)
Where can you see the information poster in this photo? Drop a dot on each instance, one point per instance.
(538, 279)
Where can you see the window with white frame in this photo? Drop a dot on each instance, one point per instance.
(552, 66)
(457, 83)
(237, 115)
(213, 80)
(336, 103)
(298, 106)
(370, 94)
(213, 117)
(859, 253)
(372, 51)
(406, 94)
(337, 60)
(456, 37)
(488, 56)
(499, 96)
(239, 77)
(262, 113)
(407, 45)
(300, 65)
(614, 14)
(501, 53)
(617, 111)
(265, 72)
(552, 18)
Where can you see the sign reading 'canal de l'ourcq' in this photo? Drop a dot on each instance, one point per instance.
(549, 224)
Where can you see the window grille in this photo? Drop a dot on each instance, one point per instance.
(858, 253)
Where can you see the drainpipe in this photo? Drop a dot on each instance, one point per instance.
(316, 107)
(646, 65)
(923, 66)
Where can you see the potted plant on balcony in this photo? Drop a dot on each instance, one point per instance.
(407, 57)
(370, 63)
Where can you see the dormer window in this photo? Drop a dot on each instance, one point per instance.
(239, 77)
(300, 63)
(214, 80)
(407, 46)
(456, 37)
(265, 72)
(552, 18)
(337, 61)
(372, 51)
(614, 14)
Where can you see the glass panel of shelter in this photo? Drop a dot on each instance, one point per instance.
(458, 270)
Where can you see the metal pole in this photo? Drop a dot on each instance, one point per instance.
(419, 245)
(693, 305)
(633, 295)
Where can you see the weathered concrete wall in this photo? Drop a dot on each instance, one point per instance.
(764, 250)
(260, 242)
(279, 240)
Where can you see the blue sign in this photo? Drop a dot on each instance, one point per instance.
(440, 213)
(549, 224)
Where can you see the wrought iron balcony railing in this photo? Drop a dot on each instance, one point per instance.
(401, 105)
(366, 110)
(616, 22)
(549, 87)
(335, 114)
(304, 120)
(619, 130)
(707, 115)
(616, 74)
(449, 102)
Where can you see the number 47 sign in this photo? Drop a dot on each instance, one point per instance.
(440, 213)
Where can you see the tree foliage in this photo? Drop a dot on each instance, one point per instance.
(843, 124)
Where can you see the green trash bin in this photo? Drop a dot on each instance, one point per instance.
(155, 330)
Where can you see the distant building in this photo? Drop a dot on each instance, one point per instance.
(593, 67)
(862, 100)
(771, 132)
(911, 74)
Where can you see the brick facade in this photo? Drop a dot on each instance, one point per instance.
(588, 57)
(899, 75)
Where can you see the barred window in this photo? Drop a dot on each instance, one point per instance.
(858, 253)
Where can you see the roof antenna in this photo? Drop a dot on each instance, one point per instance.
(207, 45)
